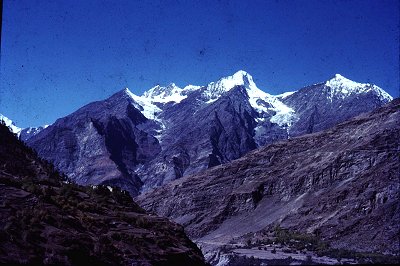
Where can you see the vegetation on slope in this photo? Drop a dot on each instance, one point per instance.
(45, 219)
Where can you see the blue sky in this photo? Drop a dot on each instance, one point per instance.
(58, 55)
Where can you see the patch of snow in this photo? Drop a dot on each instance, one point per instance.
(343, 87)
(223, 260)
(190, 88)
(256, 94)
(35, 130)
(259, 131)
(171, 93)
(145, 105)
(211, 100)
(285, 94)
(284, 115)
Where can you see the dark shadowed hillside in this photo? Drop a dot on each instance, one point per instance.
(46, 220)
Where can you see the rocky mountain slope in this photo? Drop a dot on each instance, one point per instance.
(47, 220)
(323, 105)
(340, 185)
(140, 142)
(101, 143)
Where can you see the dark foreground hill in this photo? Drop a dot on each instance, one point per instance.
(339, 188)
(46, 220)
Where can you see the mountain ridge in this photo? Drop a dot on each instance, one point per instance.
(172, 93)
(202, 127)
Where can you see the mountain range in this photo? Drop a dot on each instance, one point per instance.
(141, 142)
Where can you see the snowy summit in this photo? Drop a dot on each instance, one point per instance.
(171, 93)
(261, 101)
(152, 101)
(342, 87)
(10, 124)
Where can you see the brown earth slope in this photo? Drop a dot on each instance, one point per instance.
(46, 220)
(341, 185)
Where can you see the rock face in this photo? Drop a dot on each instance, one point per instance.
(209, 136)
(27, 133)
(45, 220)
(340, 184)
(100, 143)
(139, 143)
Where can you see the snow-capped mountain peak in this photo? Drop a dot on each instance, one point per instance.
(159, 91)
(170, 93)
(10, 124)
(23, 133)
(342, 87)
(340, 81)
(148, 102)
(261, 101)
(266, 105)
(241, 78)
